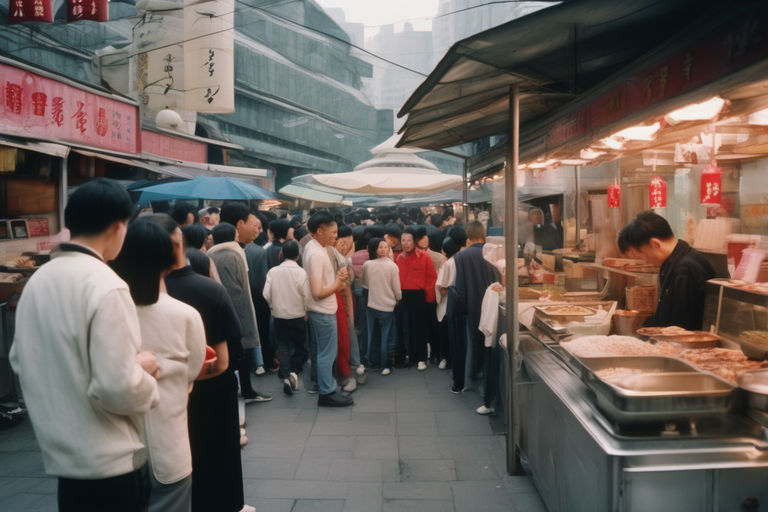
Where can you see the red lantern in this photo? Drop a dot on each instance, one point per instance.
(614, 196)
(657, 192)
(711, 184)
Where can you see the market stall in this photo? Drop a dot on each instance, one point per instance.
(674, 124)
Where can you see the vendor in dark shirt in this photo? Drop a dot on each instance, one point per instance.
(682, 274)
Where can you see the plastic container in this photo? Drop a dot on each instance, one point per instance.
(627, 322)
(750, 264)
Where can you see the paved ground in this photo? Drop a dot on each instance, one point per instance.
(406, 445)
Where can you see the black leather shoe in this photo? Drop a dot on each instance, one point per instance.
(335, 399)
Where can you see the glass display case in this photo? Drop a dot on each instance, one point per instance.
(738, 313)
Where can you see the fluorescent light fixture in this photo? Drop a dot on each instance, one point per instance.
(573, 161)
(590, 154)
(543, 164)
(702, 111)
(612, 143)
(638, 132)
(759, 118)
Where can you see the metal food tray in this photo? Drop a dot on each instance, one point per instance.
(676, 391)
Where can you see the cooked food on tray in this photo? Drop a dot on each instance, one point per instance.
(672, 330)
(566, 310)
(759, 338)
(618, 373)
(598, 346)
(723, 362)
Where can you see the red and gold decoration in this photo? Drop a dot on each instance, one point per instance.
(21, 11)
(711, 184)
(93, 10)
(614, 195)
(657, 192)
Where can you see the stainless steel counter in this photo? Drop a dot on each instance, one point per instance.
(580, 463)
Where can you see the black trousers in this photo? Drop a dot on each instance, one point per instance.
(490, 374)
(414, 303)
(244, 372)
(124, 493)
(291, 344)
(457, 339)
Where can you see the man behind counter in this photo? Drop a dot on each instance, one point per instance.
(682, 275)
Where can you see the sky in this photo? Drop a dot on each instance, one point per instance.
(373, 13)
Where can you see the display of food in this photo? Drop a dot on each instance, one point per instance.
(723, 362)
(566, 310)
(759, 338)
(21, 262)
(618, 373)
(672, 330)
(600, 346)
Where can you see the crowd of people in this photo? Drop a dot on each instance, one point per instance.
(133, 343)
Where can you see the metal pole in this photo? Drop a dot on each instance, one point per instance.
(63, 189)
(577, 205)
(464, 205)
(510, 245)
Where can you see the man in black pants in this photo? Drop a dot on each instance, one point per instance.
(286, 290)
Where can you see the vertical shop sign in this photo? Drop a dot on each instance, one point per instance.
(614, 195)
(160, 63)
(94, 10)
(209, 66)
(20, 11)
(711, 184)
(657, 192)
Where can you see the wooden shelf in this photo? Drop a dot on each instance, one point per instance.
(642, 275)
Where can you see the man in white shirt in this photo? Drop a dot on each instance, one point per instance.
(322, 305)
(286, 290)
(76, 351)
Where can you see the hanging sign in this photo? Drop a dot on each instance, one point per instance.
(614, 195)
(209, 57)
(657, 192)
(94, 10)
(711, 184)
(20, 11)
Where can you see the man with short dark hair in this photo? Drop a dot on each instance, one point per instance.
(184, 213)
(473, 276)
(322, 306)
(76, 349)
(230, 260)
(682, 276)
(392, 234)
(286, 290)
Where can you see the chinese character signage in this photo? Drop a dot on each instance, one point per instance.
(160, 65)
(614, 195)
(35, 106)
(657, 192)
(711, 184)
(94, 10)
(209, 70)
(20, 11)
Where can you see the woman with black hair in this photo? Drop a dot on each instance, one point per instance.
(447, 328)
(381, 277)
(195, 237)
(174, 332)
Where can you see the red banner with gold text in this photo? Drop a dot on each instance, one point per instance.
(20, 11)
(93, 10)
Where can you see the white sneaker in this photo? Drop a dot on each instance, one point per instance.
(422, 366)
(248, 508)
(260, 371)
(483, 410)
(360, 370)
(386, 371)
(443, 364)
(350, 385)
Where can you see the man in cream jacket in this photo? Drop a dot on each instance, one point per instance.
(76, 350)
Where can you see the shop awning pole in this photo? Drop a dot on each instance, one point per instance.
(464, 205)
(62, 191)
(510, 245)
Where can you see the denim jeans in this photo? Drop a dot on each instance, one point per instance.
(354, 348)
(325, 338)
(386, 322)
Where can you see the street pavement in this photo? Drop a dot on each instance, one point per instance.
(407, 444)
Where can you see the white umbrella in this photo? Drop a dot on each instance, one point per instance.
(392, 171)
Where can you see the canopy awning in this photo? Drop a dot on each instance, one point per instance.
(312, 195)
(553, 55)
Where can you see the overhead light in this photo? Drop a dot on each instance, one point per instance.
(543, 164)
(590, 154)
(573, 161)
(702, 111)
(612, 143)
(759, 118)
(638, 132)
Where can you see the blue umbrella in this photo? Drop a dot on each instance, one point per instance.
(205, 187)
